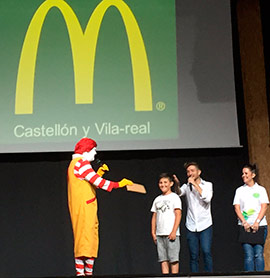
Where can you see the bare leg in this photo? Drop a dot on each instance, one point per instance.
(175, 267)
(165, 267)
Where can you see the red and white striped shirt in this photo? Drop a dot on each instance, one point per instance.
(84, 171)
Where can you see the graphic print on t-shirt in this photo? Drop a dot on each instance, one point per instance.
(250, 212)
(163, 205)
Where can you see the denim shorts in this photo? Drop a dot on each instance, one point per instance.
(168, 250)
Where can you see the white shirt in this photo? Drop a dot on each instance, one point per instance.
(164, 206)
(250, 199)
(199, 215)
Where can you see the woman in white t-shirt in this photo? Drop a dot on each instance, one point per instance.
(250, 204)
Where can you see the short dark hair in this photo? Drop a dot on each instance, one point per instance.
(252, 167)
(192, 163)
(175, 187)
(167, 176)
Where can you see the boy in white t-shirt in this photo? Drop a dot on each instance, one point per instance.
(166, 218)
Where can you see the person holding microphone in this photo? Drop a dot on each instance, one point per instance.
(198, 194)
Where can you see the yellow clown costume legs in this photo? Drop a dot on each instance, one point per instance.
(85, 230)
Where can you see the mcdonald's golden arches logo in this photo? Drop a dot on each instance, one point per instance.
(83, 46)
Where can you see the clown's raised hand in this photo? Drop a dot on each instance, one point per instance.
(102, 169)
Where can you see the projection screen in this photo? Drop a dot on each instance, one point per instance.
(131, 74)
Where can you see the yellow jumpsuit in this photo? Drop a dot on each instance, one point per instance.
(83, 210)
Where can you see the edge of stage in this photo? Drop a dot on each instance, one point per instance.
(243, 274)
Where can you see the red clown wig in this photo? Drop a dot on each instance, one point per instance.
(85, 145)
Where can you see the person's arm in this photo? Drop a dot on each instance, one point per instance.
(206, 193)
(172, 235)
(261, 214)
(84, 170)
(195, 185)
(153, 227)
(181, 190)
(177, 185)
(241, 217)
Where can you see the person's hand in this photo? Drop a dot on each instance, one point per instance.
(246, 226)
(154, 238)
(191, 180)
(172, 236)
(102, 169)
(255, 227)
(125, 182)
(177, 181)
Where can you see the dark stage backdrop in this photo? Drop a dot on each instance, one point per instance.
(36, 236)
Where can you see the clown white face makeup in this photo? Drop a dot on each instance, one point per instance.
(90, 156)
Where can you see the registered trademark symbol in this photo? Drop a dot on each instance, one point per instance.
(160, 106)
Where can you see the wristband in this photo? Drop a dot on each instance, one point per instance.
(258, 220)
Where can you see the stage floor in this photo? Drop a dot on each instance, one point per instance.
(263, 274)
(244, 274)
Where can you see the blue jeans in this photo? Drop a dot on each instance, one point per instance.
(253, 255)
(196, 240)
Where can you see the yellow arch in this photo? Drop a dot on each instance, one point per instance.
(83, 47)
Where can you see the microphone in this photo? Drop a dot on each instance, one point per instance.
(99, 162)
(189, 184)
(102, 167)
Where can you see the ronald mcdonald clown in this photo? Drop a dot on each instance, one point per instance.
(82, 184)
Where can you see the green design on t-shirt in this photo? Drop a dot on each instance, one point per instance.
(256, 195)
(248, 213)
